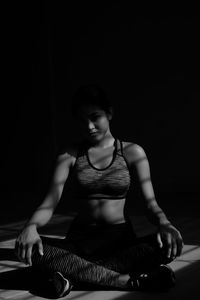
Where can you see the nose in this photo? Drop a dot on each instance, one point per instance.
(90, 125)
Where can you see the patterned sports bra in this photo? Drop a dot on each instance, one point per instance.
(89, 182)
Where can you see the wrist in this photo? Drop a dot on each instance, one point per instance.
(163, 220)
(164, 223)
(30, 225)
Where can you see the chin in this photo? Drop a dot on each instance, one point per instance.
(95, 138)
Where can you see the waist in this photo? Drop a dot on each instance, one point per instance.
(81, 221)
(97, 226)
(101, 211)
(98, 197)
(101, 240)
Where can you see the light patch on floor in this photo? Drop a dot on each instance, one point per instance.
(190, 255)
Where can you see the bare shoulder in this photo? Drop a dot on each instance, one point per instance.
(68, 155)
(133, 152)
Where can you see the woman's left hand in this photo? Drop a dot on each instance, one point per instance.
(170, 238)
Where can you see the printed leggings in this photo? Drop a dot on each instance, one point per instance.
(101, 258)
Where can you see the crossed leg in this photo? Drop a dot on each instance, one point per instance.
(76, 268)
(110, 271)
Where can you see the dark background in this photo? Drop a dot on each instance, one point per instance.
(149, 66)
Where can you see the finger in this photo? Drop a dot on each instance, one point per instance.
(20, 252)
(180, 246)
(169, 245)
(23, 253)
(28, 255)
(174, 249)
(159, 240)
(40, 247)
(17, 248)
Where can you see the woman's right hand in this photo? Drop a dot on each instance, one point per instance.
(28, 238)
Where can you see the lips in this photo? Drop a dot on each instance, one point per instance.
(93, 133)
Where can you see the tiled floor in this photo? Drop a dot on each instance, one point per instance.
(187, 267)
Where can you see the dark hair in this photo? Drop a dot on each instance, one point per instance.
(90, 95)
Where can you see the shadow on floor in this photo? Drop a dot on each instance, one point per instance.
(7, 254)
(25, 279)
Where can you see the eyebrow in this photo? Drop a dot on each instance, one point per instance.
(93, 113)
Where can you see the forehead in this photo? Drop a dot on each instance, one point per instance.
(88, 110)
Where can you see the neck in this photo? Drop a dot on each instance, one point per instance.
(105, 142)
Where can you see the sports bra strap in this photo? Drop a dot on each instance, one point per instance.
(122, 152)
(119, 147)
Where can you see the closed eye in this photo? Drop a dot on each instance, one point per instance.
(94, 117)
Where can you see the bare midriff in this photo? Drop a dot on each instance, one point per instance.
(101, 211)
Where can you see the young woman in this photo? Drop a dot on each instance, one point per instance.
(101, 246)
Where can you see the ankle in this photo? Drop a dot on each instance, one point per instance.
(124, 281)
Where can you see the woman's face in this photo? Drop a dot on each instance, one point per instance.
(94, 122)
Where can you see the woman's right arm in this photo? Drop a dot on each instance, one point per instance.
(29, 235)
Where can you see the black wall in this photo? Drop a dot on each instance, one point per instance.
(148, 65)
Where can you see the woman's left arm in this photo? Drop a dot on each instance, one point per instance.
(167, 236)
